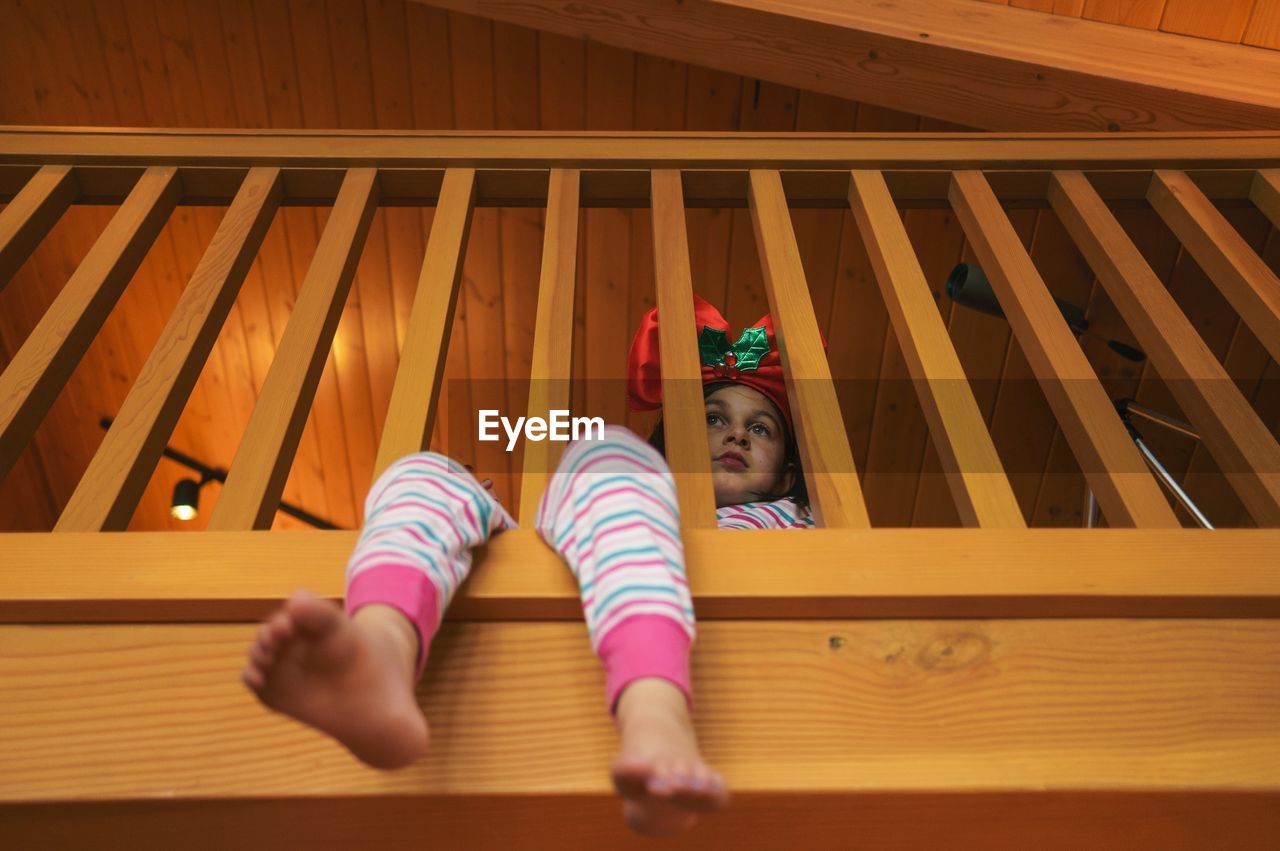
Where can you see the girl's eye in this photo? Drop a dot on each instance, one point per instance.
(764, 429)
(711, 417)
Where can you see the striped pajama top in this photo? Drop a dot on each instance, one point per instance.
(782, 513)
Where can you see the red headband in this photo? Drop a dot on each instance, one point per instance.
(753, 360)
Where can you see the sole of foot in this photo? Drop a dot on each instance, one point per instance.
(343, 677)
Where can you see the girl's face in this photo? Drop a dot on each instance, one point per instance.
(748, 446)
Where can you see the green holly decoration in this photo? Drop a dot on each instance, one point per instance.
(752, 345)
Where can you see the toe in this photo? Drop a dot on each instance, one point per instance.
(252, 677)
(261, 656)
(631, 776)
(312, 615)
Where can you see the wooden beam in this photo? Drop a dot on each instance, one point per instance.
(552, 357)
(683, 406)
(1265, 193)
(130, 712)
(33, 211)
(830, 475)
(1242, 277)
(989, 65)
(110, 489)
(867, 573)
(1240, 442)
(974, 473)
(40, 369)
(1126, 490)
(252, 492)
(627, 150)
(415, 397)
(818, 821)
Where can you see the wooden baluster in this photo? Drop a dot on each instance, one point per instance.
(31, 214)
(117, 476)
(824, 444)
(1127, 492)
(411, 415)
(46, 360)
(1245, 450)
(261, 465)
(1242, 277)
(1265, 194)
(684, 421)
(552, 359)
(968, 457)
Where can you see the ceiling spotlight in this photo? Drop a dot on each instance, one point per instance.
(186, 499)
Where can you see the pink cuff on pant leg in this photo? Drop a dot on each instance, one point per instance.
(405, 589)
(645, 646)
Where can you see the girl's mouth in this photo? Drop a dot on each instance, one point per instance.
(733, 460)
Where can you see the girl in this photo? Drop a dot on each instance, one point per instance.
(610, 512)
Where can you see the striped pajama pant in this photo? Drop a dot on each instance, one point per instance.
(609, 510)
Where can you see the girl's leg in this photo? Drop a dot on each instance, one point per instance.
(352, 674)
(610, 510)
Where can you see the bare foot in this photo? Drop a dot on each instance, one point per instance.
(658, 771)
(350, 678)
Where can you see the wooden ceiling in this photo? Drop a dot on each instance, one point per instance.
(396, 64)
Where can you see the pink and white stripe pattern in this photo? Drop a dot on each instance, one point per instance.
(779, 514)
(609, 510)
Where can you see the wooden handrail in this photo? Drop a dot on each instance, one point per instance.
(762, 171)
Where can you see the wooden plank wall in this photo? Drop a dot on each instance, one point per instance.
(391, 64)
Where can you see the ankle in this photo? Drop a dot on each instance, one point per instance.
(650, 698)
(394, 631)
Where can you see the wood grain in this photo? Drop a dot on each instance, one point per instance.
(257, 475)
(830, 475)
(552, 359)
(955, 60)
(416, 394)
(404, 149)
(1235, 268)
(1127, 492)
(1265, 193)
(129, 712)
(108, 493)
(37, 373)
(28, 217)
(977, 479)
(899, 573)
(1054, 820)
(683, 409)
(1244, 448)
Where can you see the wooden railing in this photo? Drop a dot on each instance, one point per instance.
(1146, 567)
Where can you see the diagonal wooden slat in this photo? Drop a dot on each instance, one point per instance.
(683, 409)
(1111, 463)
(1265, 193)
(829, 470)
(33, 211)
(109, 492)
(974, 473)
(1235, 269)
(414, 401)
(262, 462)
(1238, 440)
(979, 64)
(46, 360)
(552, 360)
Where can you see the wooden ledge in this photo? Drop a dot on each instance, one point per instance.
(387, 149)
(132, 712)
(875, 573)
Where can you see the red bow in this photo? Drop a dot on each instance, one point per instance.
(753, 360)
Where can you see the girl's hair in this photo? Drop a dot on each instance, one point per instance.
(790, 455)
